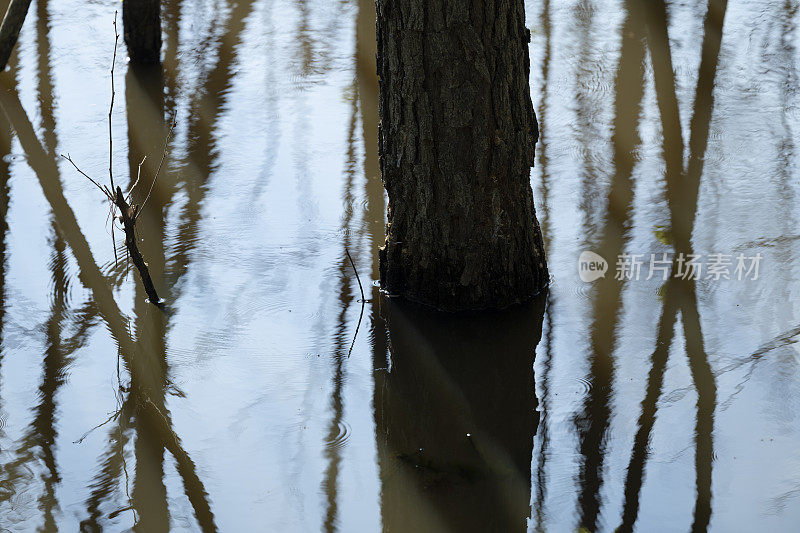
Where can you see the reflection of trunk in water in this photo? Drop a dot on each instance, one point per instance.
(593, 423)
(41, 434)
(48, 174)
(44, 80)
(42, 431)
(145, 113)
(58, 351)
(682, 194)
(364, 97)
(217, 82)
(205, 108)
(332, 444)
(455, 418)
(145, 96)
(375, 209)
(543, 435)
(5, 196)
(586, 111)
(112, 467)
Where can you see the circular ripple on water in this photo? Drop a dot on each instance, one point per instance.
(580, 289)
(585, 385)
(338, 436)
(115, 271)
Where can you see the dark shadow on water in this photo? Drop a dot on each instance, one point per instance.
(455, 416)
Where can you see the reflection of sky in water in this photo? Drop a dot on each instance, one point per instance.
(266, 185)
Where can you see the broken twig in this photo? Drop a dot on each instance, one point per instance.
(128, 213)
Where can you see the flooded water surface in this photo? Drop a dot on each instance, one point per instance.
(647, 393)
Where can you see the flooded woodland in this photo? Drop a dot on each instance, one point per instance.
(280, 397)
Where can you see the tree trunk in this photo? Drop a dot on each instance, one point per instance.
(141, 20)
(9, 31)
(456, 144)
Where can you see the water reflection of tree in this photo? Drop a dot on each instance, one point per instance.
(592, 424)
(587, 74)
(543, 435)
(647, 21)
(333, 452)
(205, 107)
(363, 106)
(682, 189)
(455, 419)
(145, 399)
(39, 440)
(5, 197)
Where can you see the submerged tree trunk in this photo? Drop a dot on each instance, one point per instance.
(141, 20)
(9, 31)
(456, 143)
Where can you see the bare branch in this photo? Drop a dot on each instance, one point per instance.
(111, 108)
(138, 177)
(163, 156)
(113, 238)
(104, 191)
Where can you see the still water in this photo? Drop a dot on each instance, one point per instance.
(249, 403)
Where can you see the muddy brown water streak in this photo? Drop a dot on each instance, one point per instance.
(643, 405)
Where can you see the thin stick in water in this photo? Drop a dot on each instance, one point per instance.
(363, 300)
(111, 108)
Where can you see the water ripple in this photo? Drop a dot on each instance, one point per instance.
(338, 436)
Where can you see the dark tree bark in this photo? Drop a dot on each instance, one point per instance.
(456, 143)
(9, 31)
(141, 21)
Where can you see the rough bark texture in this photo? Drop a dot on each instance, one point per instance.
(141, 20)
(456, 143)
(9, 31)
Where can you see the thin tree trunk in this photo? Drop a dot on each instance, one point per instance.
(141, 21)
(9, 31)
(457, 139)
